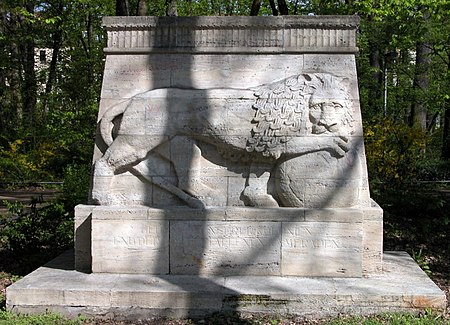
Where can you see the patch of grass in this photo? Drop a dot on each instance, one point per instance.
(8, 318)
(426, 318)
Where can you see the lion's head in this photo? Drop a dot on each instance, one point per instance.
(329, 106)
(299, 105)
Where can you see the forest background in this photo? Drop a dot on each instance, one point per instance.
(51, 65)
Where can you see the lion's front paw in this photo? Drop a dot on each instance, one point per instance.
(256, 199)
(341, 146)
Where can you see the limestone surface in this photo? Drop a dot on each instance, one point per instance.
(56, 287)
(230, 111)
(230, 241)
(230, 146)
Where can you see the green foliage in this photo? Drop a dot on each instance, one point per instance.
(434, 169)
(425, 318)
(27, 231)
(421, 260)
(37, 145)
(76, 185)
(393, 150)
(17, 164)
(399, 161)
(43, 319)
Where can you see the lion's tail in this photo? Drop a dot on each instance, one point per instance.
(106, 121)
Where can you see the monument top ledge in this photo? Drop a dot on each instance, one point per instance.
(208, 34)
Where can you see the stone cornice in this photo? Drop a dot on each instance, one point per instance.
(283, 34)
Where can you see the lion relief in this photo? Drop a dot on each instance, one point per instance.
(261, 127)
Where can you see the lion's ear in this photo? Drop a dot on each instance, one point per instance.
(345, 82)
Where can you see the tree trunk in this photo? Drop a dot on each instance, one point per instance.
(282, 6)
(376, 85)
(89, 28)
(421, 83)
(256, 5)
(13, 75)
(57, 41)
(122, 8)
(142, 8)
(171, 8)
(446, 134)
(274, 7)
(30, 86)
(5, 111)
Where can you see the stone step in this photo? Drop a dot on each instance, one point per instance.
(56, 287)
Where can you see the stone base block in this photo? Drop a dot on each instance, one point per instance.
(343, 242)
(56, 287)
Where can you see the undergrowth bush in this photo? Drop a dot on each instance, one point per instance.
(32, 230)
(76, 185)
(35, 234)
(18, 163)
(393, 150)
(434, 170)
(398, 165)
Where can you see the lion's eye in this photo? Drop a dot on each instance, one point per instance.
(337, 106)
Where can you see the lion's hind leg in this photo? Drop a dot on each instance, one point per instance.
(123, 154)
(141, 172)
(186, 157)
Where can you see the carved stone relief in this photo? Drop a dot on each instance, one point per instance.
(272, 131)
(230, 146)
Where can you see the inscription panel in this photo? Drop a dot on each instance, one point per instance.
(322, 249)
(225, 248)
(130, 246)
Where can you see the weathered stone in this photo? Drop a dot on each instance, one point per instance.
(372, 239)
(225, 247)
(130, 246)
(82, 238)
(322, 249)
(228, 127)
(219, 241)
(233, 108)
(402, 287)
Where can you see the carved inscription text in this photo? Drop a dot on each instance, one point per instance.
(146, 237)
(229, 236)
(307, 237)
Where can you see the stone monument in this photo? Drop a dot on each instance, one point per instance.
(231, 148)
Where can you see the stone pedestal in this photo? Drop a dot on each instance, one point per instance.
(56, 287)
(230, 241)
